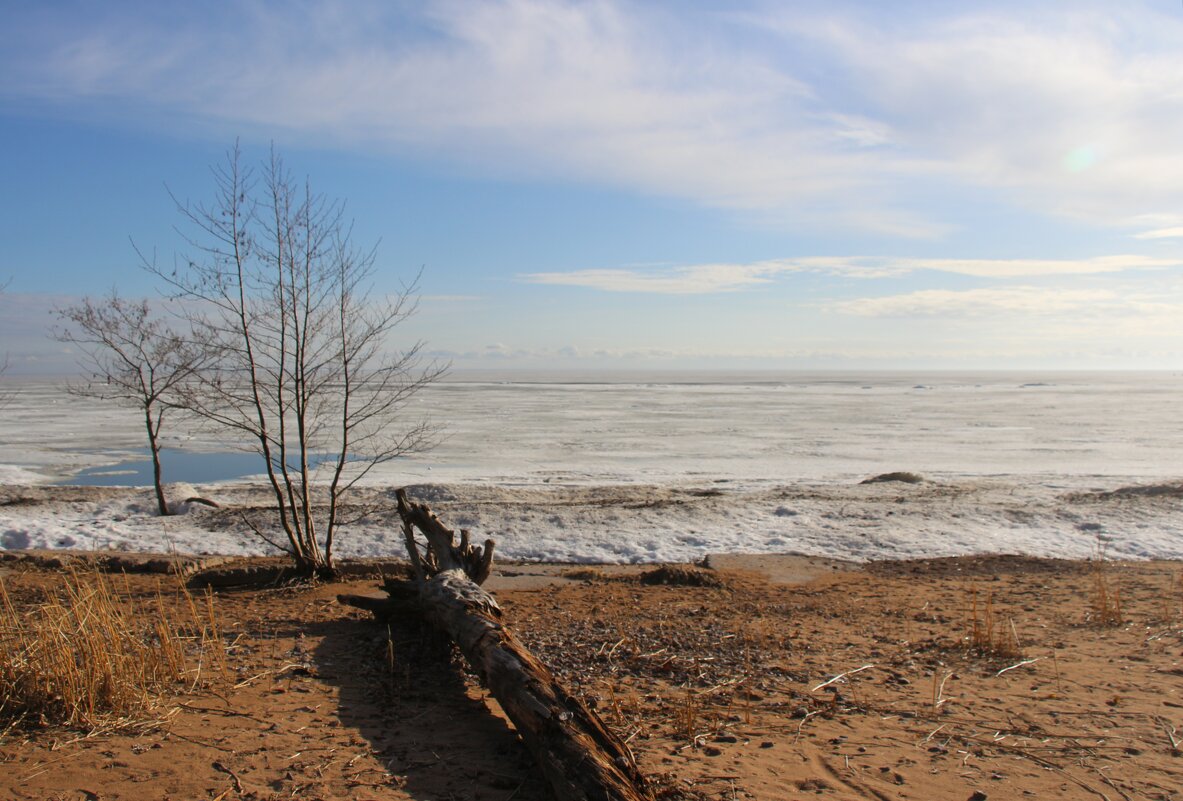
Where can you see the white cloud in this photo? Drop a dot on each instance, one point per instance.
(697, 280)
(714, 278)
(1072, 110)
(1016, 268)
(1012, 300)
(1174, 232)
(974, 302)
(847, 121)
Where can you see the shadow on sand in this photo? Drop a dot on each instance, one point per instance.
(408, 695)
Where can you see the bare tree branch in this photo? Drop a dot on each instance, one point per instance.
(304, 368)
(132, 358)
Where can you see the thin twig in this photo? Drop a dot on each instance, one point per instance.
(1047, 763)
(1018, 665)
(1169, 729)
(841, 676)
(255, 530)
(237, 782)
(283, 669)
(801, 725)
(227, 712)
(933, 733)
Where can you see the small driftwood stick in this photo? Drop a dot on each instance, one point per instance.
(841, 676)
(580, 757)
(1018, 665)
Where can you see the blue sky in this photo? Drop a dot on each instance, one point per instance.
(775, 185)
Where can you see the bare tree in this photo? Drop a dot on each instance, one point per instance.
(303, 368)
(131, 357)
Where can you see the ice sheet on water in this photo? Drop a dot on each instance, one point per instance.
(669, 470)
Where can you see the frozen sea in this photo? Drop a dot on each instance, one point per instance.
(671, 466)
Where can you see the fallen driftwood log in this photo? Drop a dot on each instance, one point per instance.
(579, 756)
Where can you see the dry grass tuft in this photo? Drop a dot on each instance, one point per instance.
(88, 657)
(988, 636)
(1171, 601)
(1104, 599)
(583, 574)
(688, 716)
(681, 576)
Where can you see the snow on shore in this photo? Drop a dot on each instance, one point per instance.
(639, 523)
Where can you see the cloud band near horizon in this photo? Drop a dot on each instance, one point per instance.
(713, 278)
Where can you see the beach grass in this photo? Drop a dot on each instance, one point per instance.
(989, 635)
(89, 656)
(1105, 604)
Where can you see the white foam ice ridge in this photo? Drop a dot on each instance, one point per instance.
(12, 474)
(851, 521)
(647, 523)
(672, 468)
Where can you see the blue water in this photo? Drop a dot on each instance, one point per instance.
(177, 465)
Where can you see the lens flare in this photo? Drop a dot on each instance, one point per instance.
(1080, 158)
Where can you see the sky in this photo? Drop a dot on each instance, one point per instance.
(634, 185)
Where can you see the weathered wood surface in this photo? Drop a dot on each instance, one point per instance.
(580, 757)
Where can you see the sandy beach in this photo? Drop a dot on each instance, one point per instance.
(781, 677)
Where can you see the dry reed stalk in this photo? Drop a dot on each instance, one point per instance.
(689, 716)
(746, 697)
(1104, 601)
(1172, 599)
(211, 640)
(204, 633)
(623, 708)
(938, 691)
(986, 637)
(88, 657)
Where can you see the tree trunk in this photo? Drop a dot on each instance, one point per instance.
(579, 756)
(157, 472)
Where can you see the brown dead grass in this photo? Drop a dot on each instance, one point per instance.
(86, 656)
(991, 636)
